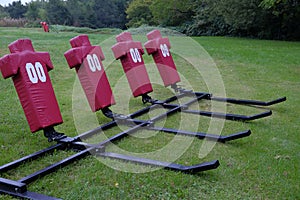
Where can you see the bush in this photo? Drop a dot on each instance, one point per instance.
(61, 28)
(9, 22)
(33, 24)
(144, 29)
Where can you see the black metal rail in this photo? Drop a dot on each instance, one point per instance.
(227, 116)
(249, 102)
(242, 101)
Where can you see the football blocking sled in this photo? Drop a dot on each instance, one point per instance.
(123, 51)
(159, 48)
(29, 72)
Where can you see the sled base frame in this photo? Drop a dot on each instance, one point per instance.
(18, 188)
(227, 116)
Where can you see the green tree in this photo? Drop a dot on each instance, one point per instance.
(33, 10)
(121, 20)
(271, 19)
(208, 20)
(139, 13)
(3, 13)
(57, 13)
(16, 9)
(243, 16)
(77, 10)
(228, 17)
(90, 18)
(172, 12)
(284, 18)
(109, 13)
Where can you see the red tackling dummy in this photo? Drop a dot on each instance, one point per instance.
(87, 60)
(130, 53)
(29, 71)
(159, 48)
(45, 26)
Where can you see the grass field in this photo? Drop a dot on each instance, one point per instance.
(262, 166)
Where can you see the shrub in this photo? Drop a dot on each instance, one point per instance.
(10, 22)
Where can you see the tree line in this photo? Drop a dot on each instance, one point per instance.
(80, 13)
(269, 19)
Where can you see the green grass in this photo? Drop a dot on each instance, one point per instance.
(262, 166)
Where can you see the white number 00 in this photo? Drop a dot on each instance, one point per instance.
(135, 55)
(164, 49)
(94, 62)
(36, 72)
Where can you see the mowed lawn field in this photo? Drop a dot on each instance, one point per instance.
(264, 165)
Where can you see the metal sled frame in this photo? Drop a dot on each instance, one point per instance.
(245, 102)
(18, 188)
(207, 96)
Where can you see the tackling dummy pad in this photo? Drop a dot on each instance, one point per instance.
(130, 53)
(29, 71)
(86, 59)
(159, 48)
